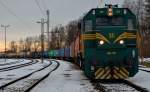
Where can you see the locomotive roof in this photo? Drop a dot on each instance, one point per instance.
(116, 11)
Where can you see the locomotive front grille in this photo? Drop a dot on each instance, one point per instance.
(111, 73)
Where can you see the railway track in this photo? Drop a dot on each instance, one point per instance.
(18, 66)
(145, 70)
(26, 83)
(11, 63)
(118, 86)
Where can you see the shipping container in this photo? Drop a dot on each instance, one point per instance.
(72, 50)
(67, 53)
(77, 46)
(50, 53)
(56, 55)
(45, 54)
(61, 53)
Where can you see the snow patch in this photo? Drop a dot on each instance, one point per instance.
(65, 79)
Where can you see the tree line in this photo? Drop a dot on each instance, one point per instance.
(60, 37)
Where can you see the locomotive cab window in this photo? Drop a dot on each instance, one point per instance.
(88, 25)
(130, 24)
(110, 21)
(102, 21)
(117, 21)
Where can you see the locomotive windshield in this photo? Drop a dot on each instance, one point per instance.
(88, 25)
(109, 21)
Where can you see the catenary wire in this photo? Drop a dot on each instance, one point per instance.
(38, 4)
(12, 13)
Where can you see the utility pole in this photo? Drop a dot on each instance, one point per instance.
(42, 22)
(58, 35)
(48, 38)
(5, 27)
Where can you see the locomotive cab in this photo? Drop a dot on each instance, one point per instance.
(109, 40)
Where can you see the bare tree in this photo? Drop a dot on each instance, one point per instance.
(147, 8)
(36, 43)
(137, 7)
(21, 45)
(72, 30)
(54, 38)
(28, 44)
(13, 46)
(61, 36)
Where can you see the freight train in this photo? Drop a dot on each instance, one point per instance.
(106, 46)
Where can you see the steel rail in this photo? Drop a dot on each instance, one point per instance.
(17, 66)
(145, 70)
(11, 63)
(101, 85)
(23, 77)
(44, 77)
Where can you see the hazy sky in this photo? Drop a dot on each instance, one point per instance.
(22, 15)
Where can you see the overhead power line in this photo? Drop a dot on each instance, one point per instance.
(12, 13)
(44, 4)
(38, 4)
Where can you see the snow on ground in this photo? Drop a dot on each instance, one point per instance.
(145, 59)
(145, 68)
(142, 79)
(29, 81)
(18, 63)
(8, 76)
(2, 61)
(67, 78)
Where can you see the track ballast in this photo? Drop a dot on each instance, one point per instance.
(117, 86)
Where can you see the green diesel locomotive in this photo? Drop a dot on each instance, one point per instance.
(109, 43)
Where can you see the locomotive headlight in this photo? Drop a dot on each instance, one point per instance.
(121, 42)
(101, 42)
(110, 12)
